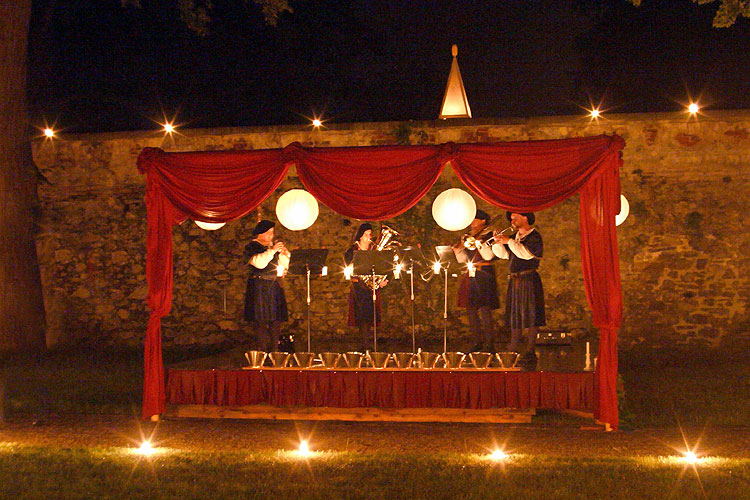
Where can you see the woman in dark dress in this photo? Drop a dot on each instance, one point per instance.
(360, 295)
(524, 308)
(478, 293)
(265, 302)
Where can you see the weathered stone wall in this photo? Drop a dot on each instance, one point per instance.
(682, 250)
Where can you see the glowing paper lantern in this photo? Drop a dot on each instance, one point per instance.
(454, 209)
(297, 209)
(209, 226)
(624, 211)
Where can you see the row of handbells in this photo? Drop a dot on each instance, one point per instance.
(374, 359)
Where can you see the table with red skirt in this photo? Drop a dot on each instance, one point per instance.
(382, 388)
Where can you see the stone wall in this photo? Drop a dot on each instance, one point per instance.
(683, 265)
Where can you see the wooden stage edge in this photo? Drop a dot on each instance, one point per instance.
(267, 412)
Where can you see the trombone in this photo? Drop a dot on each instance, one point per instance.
(474, 243)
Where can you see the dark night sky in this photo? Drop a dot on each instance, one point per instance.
(96, 66)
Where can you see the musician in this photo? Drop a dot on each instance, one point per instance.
(360, 295)
(265, 303)
(478, 294)
(524, 306)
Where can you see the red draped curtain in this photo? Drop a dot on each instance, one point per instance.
(377, 183)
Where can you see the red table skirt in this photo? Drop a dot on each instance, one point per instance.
(383, 388)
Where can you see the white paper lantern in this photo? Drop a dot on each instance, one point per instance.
(209, 226)
(297, 209)
(624, 211)
(454, 209)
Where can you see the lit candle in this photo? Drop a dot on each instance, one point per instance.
(436, 267)
(324, 271)
(397, 271)
(472, 269)
(348, 270)
(279, 271)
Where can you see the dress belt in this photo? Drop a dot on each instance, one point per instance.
(261, 277)
(521, 273)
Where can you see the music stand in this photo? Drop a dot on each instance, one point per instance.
(408, 254)
(304, 261)
(447, 260)
(372, 263)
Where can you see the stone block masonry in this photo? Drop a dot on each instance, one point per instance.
(683, 257)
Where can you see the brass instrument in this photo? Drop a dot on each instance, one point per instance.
(474, 243)
(386, 239)
(372, 281)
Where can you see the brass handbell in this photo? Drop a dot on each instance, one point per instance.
(403, 359)
(255, 358)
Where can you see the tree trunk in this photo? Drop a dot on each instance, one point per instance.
(21, 302)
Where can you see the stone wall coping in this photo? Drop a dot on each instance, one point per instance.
(608, 120)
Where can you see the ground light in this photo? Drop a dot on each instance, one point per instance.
(691, 458)
(145, 449)
(693, 108)
(304, 449)
(498, 454)
(49, 133)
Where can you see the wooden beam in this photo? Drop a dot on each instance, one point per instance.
(267, 412)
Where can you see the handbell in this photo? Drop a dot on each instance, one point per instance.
(255, 358)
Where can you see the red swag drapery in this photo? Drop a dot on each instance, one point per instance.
(381, 182)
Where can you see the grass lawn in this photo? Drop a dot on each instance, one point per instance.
(72, 429)
(114, 473)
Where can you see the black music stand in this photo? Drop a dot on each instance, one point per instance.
(447, 261)
(372, 263)
(304, 261)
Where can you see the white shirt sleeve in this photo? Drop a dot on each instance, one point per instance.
(486, 252)
(520, 250)
(499, 250)
(261, 260)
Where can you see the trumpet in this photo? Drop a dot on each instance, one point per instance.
(474, 243)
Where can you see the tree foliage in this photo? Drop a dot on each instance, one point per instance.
(727, 13)
(196, 14)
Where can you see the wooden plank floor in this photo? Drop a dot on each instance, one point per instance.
(267, 412)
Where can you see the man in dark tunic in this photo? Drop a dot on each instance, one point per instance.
(478, 293)
(524, 306)
(265, 303)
